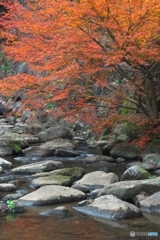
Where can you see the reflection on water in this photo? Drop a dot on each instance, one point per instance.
(33, 226)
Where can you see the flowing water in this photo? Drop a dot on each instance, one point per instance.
(33, 226)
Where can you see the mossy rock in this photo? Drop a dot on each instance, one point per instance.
(52, 180)
(152, 147)
(75, 172)
(135, 173)
(63, 177)
(125, 150)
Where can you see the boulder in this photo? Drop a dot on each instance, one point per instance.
(6, 128)
(144, 165)
(125, 150)
(153, 159)
(97, 158)
(33, 129)
(52, 180)
(65, 153)
(58, 212)
(51, 194)
(151, 204)
(11, 142)
(128, 189)
(5, 164)
(43, 166)
(7, 187)
(97, 179)
(110, 207)
(48, 148)
(152, 147)
(64, 177)
(135, 173)
(55, 132)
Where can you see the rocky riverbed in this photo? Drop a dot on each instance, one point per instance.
(92, 180)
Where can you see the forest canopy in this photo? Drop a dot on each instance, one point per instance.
(97, 61)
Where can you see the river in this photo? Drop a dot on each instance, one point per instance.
(33, 226)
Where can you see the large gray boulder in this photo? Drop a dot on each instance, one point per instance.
(48, 148)
(128, 189)
(135, 173)
(110, 207)
(5, 164)
(125, 150)
(43, 166)
(55, 132)
(7, 187)
(144, 165)
(152, 158)
(9, 142)
(97, 179)
(151, 204)
(97, 158)
(51, 194)
(64, 177)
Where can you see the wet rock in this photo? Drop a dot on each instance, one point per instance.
(38, 151)
(107, 148)
(65, 153)
(152, 147)
(120, 160)
(7, 187)
(144, 165)
(75, 172)
(14, 138)
(6, 128)
(97, 158)
(97, 179)
(13, 196)
(157, 172)
(5, 164)
(33, 129)
(6, 178)
(80, 187)
(23, 160)
(47, 195)
(153, 159)
(84, 202)
(48, 148)
(43, 166)
(31, 138)
(142, 196)
(102, 165)
(135, 173)
(128, 189)
(59, 212)
(125, 150)
(55, 132)
(3, 207)
(110, 207)
(52, 180)
(63, 177)
(151, 204)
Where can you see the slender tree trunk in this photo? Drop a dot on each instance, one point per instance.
(153, 100)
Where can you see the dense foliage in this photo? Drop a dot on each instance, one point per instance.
(97, 61)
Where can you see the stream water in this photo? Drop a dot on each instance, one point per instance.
(33, 226)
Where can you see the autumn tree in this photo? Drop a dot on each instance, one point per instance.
(73, 46)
